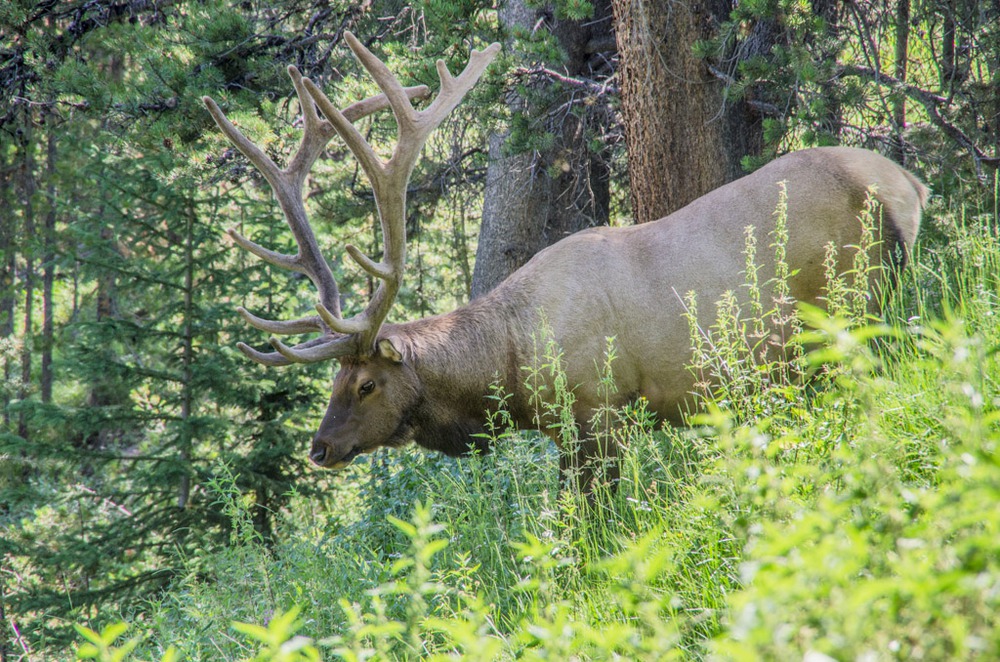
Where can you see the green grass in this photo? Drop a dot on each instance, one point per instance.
(841, 499)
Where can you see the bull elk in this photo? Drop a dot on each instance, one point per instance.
(429, 380)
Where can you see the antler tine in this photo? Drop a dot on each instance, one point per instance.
(261, 161)
(415, 126)
(356, 335)
(287, 188)
(386, 81)
(318, 349)
(318, 130)
(454, 89)
(302, 325)
(277, 259)
(366, 107)
(269, 359)
(329, 347)
(389, 179)
(286, 185)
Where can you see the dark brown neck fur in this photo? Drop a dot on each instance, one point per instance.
(459, 357)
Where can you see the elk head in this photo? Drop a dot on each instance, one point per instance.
(375, 386)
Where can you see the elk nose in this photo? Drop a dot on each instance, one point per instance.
(318, 454)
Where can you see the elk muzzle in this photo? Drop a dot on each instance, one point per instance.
(324, 455)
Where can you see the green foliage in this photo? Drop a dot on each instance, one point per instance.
(278, 641)
(868, 556)
(561, 110)
(101, 646)
(108, 491)
(845, 514)
(844, 518)
(826, 73)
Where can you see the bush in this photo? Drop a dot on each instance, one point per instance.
(846, 508)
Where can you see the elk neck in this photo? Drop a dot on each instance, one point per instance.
(460, 358)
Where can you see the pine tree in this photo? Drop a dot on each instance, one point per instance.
(149, 398)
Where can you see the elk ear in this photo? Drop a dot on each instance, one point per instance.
(389, 351)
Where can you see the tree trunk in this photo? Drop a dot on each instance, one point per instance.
(28, 190)
(8, 266)
(48, 275)
(104, 390)
(187, 361)
(683, 138)
(948, 65)
(899, 101)
(535, 199)
(993, 100)
(515, 208)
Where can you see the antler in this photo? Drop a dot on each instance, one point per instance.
(357, 335)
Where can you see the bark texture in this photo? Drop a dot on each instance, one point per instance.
(533, 200)
(683, 138)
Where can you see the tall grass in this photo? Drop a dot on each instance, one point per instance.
(837, 498)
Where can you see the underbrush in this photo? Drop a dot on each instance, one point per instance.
(838, 500)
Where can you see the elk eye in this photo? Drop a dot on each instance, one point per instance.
(366, 388)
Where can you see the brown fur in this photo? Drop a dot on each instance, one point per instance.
(626, 283)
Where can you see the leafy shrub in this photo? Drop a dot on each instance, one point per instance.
(845, 510)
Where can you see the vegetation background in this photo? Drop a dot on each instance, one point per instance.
(155, 500)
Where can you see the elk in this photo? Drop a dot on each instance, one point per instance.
(428, 381)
